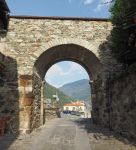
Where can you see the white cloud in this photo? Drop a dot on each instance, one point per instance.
(85, 2)
(98, 8)
(75, 68)
(88, 2)
(57, 70)
(58, 75)
(101, 5)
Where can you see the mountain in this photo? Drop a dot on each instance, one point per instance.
(79, 90)
(50, 90)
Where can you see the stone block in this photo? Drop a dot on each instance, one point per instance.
(27, 101)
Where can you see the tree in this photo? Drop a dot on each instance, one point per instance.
(122, 12)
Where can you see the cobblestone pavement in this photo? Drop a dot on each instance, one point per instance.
(67, 133)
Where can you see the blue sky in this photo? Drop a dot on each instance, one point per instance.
(65, 72)
(72, 8)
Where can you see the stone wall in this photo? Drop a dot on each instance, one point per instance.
(100, 113)
(36, 106)
(123, 105)
(9, 93)
(23, 52)
(27, 41)
(26, 101)
(51, 113)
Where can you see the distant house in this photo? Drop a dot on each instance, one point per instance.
(75, 106)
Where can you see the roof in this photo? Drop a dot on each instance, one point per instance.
(4, 6)
(75, 104)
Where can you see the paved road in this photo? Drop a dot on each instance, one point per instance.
(62, 134)
(67, 133)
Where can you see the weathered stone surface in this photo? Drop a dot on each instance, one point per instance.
(9, 96)
(25, 117)
(51, 113)
(32, 46)
(36, 111)
(27, 37)
(123, 106)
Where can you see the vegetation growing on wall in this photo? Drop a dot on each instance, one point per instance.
(123, 36)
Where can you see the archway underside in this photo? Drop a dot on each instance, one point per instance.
(71, 52)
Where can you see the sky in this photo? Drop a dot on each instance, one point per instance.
(71, 8)
(63, 72)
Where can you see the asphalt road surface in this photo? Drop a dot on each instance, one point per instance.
(67, 133)
(62, 134)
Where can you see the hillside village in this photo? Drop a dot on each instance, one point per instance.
(55, 102)
(60, 100)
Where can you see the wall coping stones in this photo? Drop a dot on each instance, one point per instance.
(60, 18)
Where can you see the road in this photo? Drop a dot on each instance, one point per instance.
(62, 134)
(67, 133)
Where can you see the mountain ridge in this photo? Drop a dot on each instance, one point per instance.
(50, 90)
(79, 90)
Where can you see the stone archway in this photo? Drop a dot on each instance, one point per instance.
(77, 53)
(73, 52)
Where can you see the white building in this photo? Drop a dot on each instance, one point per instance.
(75, 106)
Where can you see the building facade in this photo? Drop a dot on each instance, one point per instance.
(75, 106)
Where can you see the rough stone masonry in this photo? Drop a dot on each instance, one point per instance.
(32, 45)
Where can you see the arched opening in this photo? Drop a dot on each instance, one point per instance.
(66, 91)
(65, 72)
(72, 52)
(69, 52)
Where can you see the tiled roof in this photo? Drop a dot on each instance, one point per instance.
(75, 104)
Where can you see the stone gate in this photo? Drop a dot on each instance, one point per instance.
(33, 44)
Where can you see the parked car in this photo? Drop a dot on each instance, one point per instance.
(78, 113)
(66, 112)
(73, 113)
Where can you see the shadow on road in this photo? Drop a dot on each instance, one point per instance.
(99, 132)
